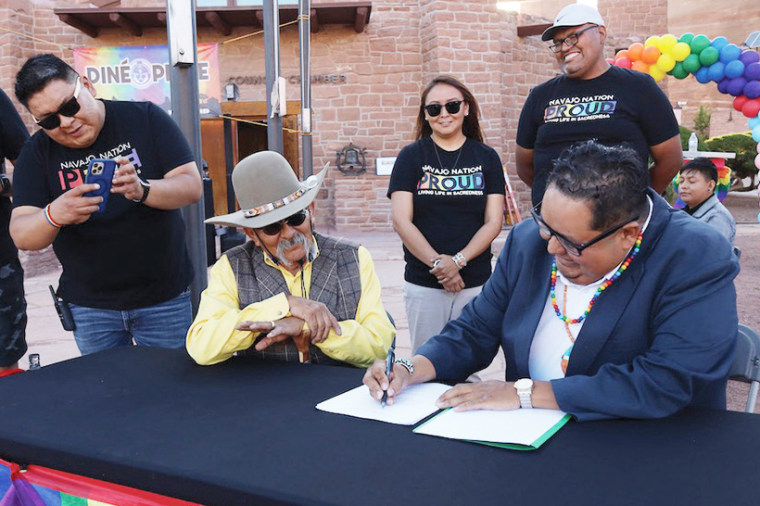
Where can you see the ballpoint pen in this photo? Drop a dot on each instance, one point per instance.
(388, 368)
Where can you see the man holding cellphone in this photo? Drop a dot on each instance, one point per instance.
(126, 270)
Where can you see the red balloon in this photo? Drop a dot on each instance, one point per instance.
(751, 108)
(611, 61)
(624, 62)
(739, 102)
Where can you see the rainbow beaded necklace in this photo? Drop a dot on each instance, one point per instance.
(568, 321)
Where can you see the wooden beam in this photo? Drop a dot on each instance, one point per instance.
(260, 18)
(361, 19)
(126, 23)
(161, 17)
(528, 30)
(256, 110)
(80, 24)
(313, 20)
(218, 23)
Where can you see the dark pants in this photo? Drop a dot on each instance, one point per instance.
(12, 313)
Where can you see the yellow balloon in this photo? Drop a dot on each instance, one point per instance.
(667, 42)
(680, 51)
(652, 41)
(656, 73)
(666, 63)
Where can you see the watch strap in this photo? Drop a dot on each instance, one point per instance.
(146, 189)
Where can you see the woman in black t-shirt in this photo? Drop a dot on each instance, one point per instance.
(447, 201)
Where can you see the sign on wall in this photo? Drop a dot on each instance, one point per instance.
(142, 73)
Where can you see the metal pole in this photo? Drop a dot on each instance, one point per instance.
(272, 66)
(180, 23)
(304, 36)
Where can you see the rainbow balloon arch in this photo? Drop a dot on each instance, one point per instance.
(735, 71)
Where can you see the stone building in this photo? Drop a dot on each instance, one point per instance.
(368, 67)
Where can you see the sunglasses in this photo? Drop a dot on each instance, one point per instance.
(69, 109)
(571, 247)
(293, 220)
(452, 107)
(571, 40)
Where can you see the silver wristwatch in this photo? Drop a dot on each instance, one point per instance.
(406, 364)
(524, 387)
(146, 189)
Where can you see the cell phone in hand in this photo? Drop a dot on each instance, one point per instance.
(100, 171)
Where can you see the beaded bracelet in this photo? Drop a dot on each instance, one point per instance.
(49, 218)
(460, 260)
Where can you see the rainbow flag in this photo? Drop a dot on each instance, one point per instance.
(41, 486)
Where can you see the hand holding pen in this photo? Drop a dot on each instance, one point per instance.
(388, 368)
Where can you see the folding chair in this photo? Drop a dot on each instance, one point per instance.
(746, 366)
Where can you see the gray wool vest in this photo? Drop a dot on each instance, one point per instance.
(335, 281)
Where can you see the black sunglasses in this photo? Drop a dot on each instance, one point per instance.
(452, 107)
(571, 247)
(571, 40)
(294, 220)
(68, 109)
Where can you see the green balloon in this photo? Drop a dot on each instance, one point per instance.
(679, 72)
(686, 37)
(708, 56)
(699, 44)
(691, 64)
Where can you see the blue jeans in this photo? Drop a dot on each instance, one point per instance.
(162, 325)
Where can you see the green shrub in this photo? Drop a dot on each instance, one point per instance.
(745, 148)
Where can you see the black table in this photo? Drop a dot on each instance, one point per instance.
(247, 432)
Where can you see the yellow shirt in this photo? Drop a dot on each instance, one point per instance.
(212, 337)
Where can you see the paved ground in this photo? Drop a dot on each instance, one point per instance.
(46, 336)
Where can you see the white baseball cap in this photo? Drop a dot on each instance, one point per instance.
(573, 15)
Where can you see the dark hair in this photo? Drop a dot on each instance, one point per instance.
(470, 127)
(613, 179)
(37, 72)
(704, 166)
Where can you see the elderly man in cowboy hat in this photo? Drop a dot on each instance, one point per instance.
(289, 293)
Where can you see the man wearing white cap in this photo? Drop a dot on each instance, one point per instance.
(288, 294)
(593, 100)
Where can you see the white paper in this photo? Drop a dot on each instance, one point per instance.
(409, 407)
(521, 426)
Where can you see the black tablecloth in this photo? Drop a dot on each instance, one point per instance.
(247, 432)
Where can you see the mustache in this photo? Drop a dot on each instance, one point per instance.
(298, 239)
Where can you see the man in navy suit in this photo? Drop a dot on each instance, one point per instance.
(607, 304)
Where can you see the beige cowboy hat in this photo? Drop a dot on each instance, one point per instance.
(268, 191)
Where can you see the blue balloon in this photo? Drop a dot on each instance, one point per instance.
(736, 86)
(756, 133)
(752, 89)
(752, 71)
(716, 71)
(734, 68)
(730, 52)
(723, 85)
(719, 42)
(702, 75)
(754, 123)
(758, 216)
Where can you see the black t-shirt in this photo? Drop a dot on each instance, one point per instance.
(131, 255)
(449, 202)
(13, 135)
(620, 106)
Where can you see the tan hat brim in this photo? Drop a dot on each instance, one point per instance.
(238, 218)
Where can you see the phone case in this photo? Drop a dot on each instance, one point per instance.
(100, 171)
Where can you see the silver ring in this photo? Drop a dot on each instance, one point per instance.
(272, 324)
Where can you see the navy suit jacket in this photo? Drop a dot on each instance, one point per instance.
(659, 339)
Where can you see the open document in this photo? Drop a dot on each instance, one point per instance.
(521, 429)
(414, 404)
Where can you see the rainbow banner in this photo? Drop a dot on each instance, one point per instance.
(142, 73)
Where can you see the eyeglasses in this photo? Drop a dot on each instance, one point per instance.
(573, 248)
(571, 40)
(293, 220)
(452, 107)
(69, 109)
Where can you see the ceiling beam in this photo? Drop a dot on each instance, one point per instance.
(528, 30)
(313, 21)
(361, 19)
(218, 22)
(80, 24)
(126, 23)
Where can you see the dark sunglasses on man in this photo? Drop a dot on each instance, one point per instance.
(294, 220)
(571, 247)
(452, 107)
(68, 109)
